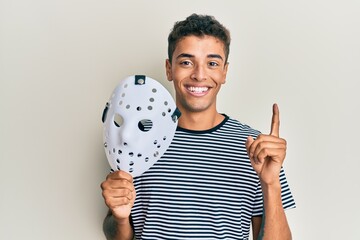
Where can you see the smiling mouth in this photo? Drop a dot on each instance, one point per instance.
(198, 89)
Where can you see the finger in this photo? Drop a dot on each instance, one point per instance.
(275, 121)
(116, 202)
(120, 175)
(263, 141)
(248, 143)
(261, 138)
(268, 148)
(117, 184)
(121, 184)
(118, 193)
(275, 154)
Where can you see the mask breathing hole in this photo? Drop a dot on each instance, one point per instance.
(118, 120)
(145, 125)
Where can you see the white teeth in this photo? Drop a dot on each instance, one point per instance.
(198, 89)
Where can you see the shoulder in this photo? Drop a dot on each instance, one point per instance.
(236, 126)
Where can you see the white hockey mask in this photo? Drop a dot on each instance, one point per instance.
(139, 122)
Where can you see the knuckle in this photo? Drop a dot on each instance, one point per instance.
(264, 153)
(110, 175)
(109, 203)
(261, 145)
(124, 192)
(260, 136)
(105, 194)
(103, 185)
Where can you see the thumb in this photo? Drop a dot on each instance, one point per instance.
(248, 143)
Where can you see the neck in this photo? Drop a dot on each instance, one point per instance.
(200, 121)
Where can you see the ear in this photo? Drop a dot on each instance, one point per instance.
(168, 70)
(225, 72)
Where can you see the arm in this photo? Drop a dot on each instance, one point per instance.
(267, 154)
(256, 226)
(114, 229)
(275, 223)
(119, 194)
(275, 226)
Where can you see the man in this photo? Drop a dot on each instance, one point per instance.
(218, 176)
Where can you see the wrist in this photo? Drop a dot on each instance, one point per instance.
(273, 183)
(121, 221)
(271, 188)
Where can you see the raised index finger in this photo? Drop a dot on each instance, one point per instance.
(275, 121)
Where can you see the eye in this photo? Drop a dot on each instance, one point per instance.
(213, 64)
(186, 63)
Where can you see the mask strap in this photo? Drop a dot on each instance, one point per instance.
(176, 115)
(103, 118)
(140, 79)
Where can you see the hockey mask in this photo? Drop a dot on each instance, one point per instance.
(139, 122)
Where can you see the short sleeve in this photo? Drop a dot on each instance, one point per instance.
(286, 196)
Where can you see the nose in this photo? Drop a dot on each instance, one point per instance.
(199, 73)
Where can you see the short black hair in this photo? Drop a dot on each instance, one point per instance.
(198, 25)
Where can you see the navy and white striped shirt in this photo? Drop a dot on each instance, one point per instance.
(203, 187)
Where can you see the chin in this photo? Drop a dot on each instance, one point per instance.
(197, 107)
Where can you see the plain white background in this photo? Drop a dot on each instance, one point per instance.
(60, 60)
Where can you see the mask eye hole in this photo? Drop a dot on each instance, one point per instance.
(118, 120)
(145, 125)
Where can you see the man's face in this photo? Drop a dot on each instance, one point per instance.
(198, 69)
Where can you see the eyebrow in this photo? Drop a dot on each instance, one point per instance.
(187, 55)
(215, 56)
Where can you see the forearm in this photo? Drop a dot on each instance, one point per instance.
(117, 230)
(275, 225)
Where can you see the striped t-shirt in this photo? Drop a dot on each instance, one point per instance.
(203, 187)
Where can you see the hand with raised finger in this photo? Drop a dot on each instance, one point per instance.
(119, 194)
(267, 152)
